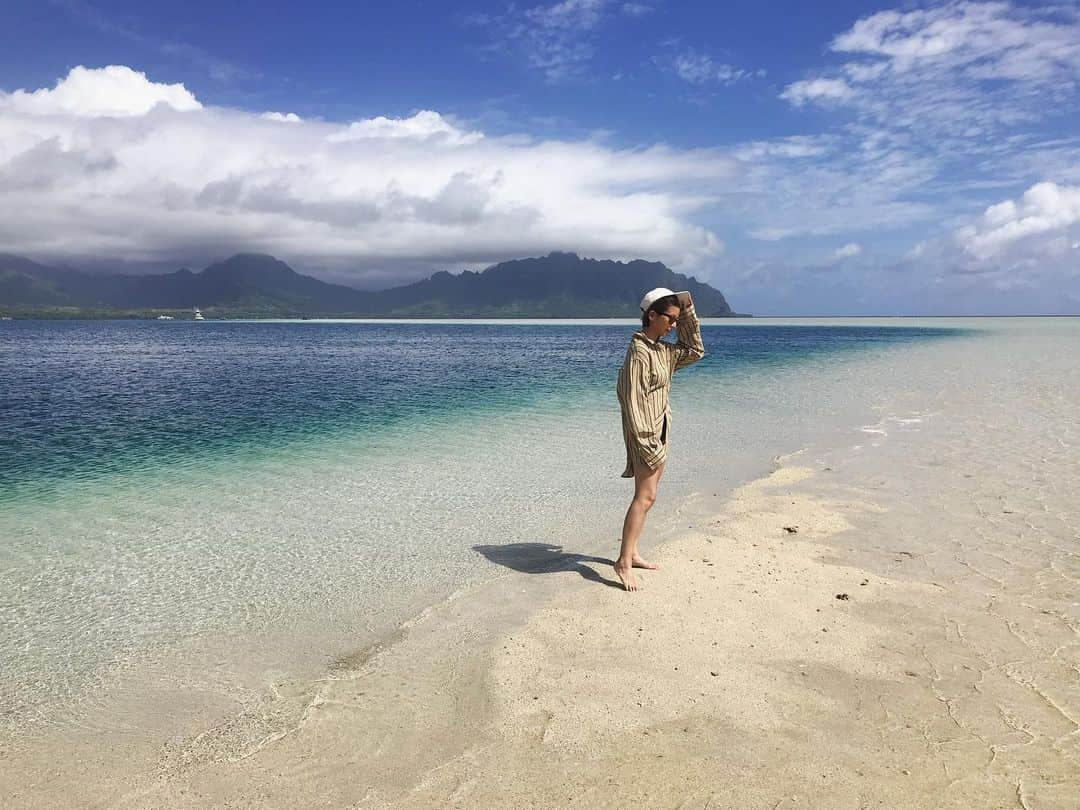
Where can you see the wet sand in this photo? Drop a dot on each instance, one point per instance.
(892, 621)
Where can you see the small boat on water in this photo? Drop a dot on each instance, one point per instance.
(164, 317)
(198, 315)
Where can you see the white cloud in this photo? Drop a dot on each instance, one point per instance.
(1017, 256)
(937, 112)
(865, 72)
(423, 125)
(939, 108)
(288, 118)
(1046, 217)
(799, 93)
(848, 251)
(115, 90)
(961, 70)
(989, 40)
(182, 185)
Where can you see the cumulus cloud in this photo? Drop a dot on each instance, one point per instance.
(423, 125)
(1019, 255)
(1044, 221)
(115, 90)
(179, 182)
(288, 118)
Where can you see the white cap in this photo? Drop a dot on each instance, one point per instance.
(652, 296)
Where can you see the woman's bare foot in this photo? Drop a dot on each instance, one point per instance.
(639, 562)
(626, 574)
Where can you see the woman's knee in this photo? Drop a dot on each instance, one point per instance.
(645, 500)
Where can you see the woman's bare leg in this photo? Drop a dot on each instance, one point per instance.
(645, 484)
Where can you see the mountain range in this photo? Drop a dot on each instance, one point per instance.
(559, 285)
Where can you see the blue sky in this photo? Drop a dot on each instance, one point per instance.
(860, 158)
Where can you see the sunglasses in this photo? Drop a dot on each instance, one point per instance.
(671, 319)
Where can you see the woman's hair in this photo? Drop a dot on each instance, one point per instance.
(660, 305)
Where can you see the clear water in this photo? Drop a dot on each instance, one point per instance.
(228, 500)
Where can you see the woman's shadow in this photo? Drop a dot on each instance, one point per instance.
(545, 558)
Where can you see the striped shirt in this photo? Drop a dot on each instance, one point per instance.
(644, 382)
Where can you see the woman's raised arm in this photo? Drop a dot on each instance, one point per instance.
(688, 347)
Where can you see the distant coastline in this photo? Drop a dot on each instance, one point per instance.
(258, 286)
(213, 315)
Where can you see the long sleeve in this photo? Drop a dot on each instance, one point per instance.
(688, 347)
(641, 414)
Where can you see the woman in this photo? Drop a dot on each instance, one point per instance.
(644, 380)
